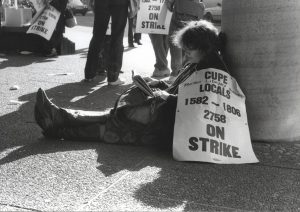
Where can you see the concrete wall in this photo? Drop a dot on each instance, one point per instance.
(263, 52)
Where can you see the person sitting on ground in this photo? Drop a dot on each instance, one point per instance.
(136, 118)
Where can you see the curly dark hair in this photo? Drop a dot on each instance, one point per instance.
(202, 35)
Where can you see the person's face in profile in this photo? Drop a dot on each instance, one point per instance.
(193, 55)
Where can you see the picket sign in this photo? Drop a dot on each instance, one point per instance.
(153, 17)
(211, 120)
(45, 23)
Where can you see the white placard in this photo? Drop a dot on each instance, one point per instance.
(211, 120)
(45, 23)
(153, 17)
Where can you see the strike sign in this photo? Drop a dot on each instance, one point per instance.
(153, 17)
(45, 23)
(211, 120)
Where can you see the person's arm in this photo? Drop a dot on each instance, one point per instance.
(170, 99)
(154, 83)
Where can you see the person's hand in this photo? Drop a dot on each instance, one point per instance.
(162, 94)
(151, 81)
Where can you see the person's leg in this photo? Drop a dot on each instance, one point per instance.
(176, 52)
(160, 46)
(49, 116)
(137, 38)
(130, 32)
(103, 56)
(89, 132)
(119, 15)
(101, 20)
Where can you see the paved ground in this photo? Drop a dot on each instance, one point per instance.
(46, 175)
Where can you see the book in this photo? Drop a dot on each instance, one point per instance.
(141, 84)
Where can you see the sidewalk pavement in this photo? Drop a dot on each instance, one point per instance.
(54, 175)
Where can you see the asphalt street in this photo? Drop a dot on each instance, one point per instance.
(39, 174)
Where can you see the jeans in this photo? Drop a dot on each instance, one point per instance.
(160, 44)
(105, 9)
(175, 52)
(104, 55)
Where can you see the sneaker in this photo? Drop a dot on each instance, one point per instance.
(160, 73)
(131, 45)
(117, 82)
(138, 42)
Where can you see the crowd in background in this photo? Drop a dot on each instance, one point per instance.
(105, 52)
(110, 47)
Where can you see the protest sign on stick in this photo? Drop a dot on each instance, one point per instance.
(211, 120)
(153, 17)
(45, 23)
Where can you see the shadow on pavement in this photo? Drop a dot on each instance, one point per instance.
(188, 186)
(19, 128)
(83, 52)
(9, 60)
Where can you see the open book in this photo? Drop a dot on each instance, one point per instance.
(141, 84)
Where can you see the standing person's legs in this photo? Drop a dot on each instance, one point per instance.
(103, 56)
(130, 32)
(137, 38)
(119, 15)
(176, 52)
(101, 20)
(160, 46)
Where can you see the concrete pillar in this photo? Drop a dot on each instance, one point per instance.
(263, 53)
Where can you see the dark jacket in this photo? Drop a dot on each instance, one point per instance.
(142, 120)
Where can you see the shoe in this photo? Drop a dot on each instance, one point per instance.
(45, 111)
(88, 80)
(53, 53)
(131, 45)
(117, 82)
(138, 42)
(160, 73)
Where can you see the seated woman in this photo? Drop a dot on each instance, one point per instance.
(136, 118)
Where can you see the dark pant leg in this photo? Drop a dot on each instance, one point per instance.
(119, 15)
(74, 118)
(101, 20)
(175, 52)
(104, 55)
(137, 37)
(161, 47)
(130, 30)
(90, 132)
